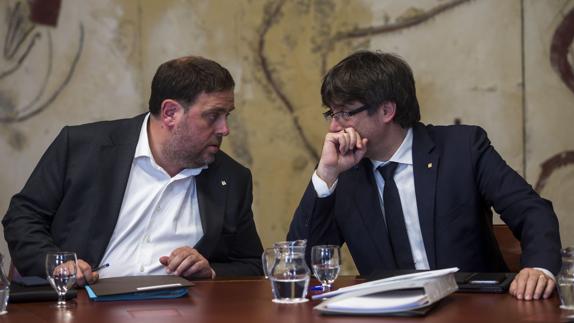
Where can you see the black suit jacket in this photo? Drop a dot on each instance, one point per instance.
(73, 198)
(458, 178)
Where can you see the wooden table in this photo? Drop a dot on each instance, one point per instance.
(249, 300)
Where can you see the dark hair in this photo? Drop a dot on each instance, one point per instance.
(183, 79)
(373, 78)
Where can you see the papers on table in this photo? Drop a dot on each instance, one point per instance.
(390, 295)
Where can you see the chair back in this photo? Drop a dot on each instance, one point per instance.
(509, 246)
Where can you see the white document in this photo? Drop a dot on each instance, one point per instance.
(397, 301)
(402, 278)
(392, 295)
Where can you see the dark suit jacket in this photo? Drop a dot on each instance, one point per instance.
(73, 198)
(458, 178)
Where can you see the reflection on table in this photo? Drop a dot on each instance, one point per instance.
(249, 300)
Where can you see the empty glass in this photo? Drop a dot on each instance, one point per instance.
(326, 262)
(61, 272)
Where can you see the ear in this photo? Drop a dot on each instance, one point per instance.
(389, 110)
(169, 112)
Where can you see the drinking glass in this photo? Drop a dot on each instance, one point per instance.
(61, 272)
(326, 262)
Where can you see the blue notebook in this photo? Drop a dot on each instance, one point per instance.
(138, 288)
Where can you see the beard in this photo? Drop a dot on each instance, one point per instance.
(182, 150)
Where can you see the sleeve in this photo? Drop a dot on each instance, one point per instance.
(244, 256)
(321, 187)
(27, 223)
(530, 217)
(314, 221)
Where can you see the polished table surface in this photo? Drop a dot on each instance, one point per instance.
(249, 300)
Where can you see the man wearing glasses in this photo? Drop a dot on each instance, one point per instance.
(404, 195)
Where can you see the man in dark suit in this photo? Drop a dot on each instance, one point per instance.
(148, 195)
(404, 195)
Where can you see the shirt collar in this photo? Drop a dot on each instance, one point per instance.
(403, 155)
(143, 151)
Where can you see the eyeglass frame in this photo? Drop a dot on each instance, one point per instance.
(345, 115)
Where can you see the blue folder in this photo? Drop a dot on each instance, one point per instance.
(161, 294)
(138, 288)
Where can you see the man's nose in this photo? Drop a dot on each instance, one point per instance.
(334, 125)
(223, 127)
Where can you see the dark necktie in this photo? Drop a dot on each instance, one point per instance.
(395, 219)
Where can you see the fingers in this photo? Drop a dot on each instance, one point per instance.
(200, 269)
(341, 151)
(345, 141)
(187, 262)
(513, 287)
(164, 260)
(183, 255)
(541, 284)
(84, 274)
(549, 288)
(80, 280)
(531, 284)
(349, 140)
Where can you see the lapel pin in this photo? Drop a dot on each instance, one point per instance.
(223, 183)
(429, 165)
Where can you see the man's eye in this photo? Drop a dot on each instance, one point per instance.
(212, 116)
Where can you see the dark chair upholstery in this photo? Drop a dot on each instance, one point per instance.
(509, 246)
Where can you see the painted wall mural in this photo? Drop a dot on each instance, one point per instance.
(325, 43)
(31, 75)
(504, 65)
(562, 60)
(562, 50)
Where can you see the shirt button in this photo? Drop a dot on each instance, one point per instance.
(141, 268)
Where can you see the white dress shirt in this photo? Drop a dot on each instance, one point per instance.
(159, 213)
(405, 181)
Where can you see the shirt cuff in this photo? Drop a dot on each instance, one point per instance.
(546, 272)
(321, 187)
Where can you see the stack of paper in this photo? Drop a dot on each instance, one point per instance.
(399, 294)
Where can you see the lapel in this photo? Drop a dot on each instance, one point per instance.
(425, 168)
(113, 167)
(212, 187)
(368, 204)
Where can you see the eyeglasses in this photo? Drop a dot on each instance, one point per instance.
(345, 115)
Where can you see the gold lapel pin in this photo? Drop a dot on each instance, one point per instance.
(429, 165)
(223, 183)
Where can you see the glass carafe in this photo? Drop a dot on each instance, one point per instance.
(566, 279)
(4, 288)
(285, 266)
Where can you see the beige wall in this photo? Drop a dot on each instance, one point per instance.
(485, 62)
